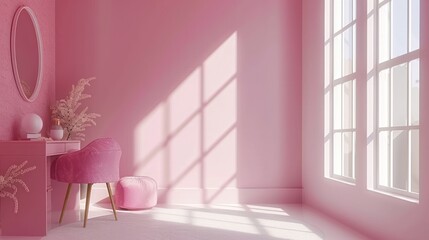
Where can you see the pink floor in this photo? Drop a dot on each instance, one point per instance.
(187, 222)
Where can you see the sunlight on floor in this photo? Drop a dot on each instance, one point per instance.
(205, 222)
(249, 219)
(267, 210)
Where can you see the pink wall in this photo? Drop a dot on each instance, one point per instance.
(12, 106)
(203, 96)
(377, 215)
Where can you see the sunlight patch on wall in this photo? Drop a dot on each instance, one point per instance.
(189, 139)
(184, 102)
(220, 163)
(220, 67)
(149, 140)
(184, 155)
(220, 115)
(149, 133)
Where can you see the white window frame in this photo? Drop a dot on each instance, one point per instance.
(377, 68)
(330, 83)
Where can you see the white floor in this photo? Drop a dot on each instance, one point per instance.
(205, 222)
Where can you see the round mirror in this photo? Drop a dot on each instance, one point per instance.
(26, 49)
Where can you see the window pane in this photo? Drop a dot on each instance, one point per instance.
(337, 15)
(384, 98)
(399, 20)
(347, 12)
(337, 57)
(400, 159)
(328, 117)
(337, 154)
(354, 104)
(414, 92)
(370, 43)
(369, 6)
(399, 95)
(384, 159)
(327, 24)
(354, 9)
(348, 142)
(337, 106)
(370, 111)
(354, 48)
(348, 105)
(348, 51)
(327, 64)
(384, 33)
(414, 135)
(414, 25)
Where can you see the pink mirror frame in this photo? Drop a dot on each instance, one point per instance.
(35, 93)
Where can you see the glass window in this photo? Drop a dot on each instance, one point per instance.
(340, 88)
(396, 34)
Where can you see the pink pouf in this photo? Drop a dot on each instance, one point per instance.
(136, 192)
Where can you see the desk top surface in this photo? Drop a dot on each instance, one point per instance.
(41, 148)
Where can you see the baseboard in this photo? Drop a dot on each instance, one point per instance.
(215, 196)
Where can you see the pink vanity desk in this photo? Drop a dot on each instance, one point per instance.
(40, 208)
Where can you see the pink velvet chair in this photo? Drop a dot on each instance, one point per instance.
(98, 162)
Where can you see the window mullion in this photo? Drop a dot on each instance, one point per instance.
(390, 160)
(375, 56)
(409, 161)
(408, 99)
(331, 86)
(396, 128)
(398, 60)
(354, 153)
(342, 155)
(343, 29)
(390, 30)
(408, 26)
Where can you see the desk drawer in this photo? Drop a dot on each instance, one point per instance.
(61, 147)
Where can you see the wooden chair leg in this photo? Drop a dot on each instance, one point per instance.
(88, 197)
(65, 202)
(111, 200)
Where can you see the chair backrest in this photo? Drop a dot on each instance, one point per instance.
(98, 162)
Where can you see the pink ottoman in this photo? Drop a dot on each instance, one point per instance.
(137, 192)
